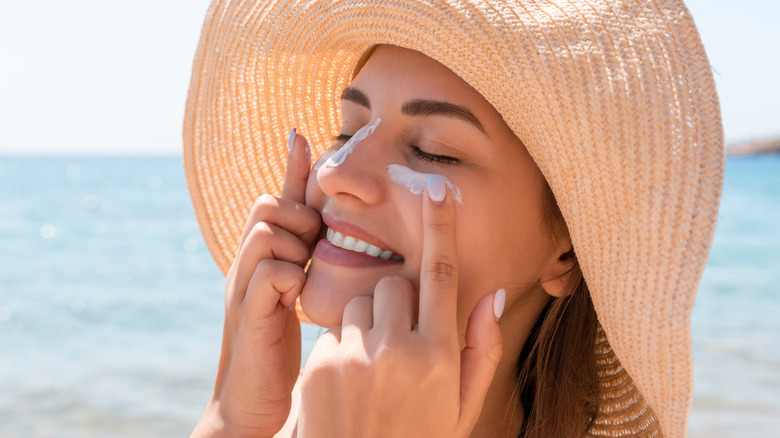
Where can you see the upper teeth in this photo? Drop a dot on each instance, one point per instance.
(357, 245)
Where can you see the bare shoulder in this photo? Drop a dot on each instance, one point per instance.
(290, 428)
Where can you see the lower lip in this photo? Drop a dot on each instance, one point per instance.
(331, 254)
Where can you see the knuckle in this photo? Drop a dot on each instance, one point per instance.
(495, 351)
(388, 358)
(431, 364)
(443, 268)
(393, 350)
(264, 204)
(317, 371)
(261, 228)
(439, 227)
(354, 370)
(261, 233)
(393, 282)
(360, 303)
(355, 362)
(265, 268)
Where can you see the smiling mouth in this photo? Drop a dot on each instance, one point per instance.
(353, 244)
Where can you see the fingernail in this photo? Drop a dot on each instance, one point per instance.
(436, 188)
(499, 300)
(291, 140)
(308, 153)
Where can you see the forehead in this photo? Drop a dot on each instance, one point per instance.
(396, 73)
(412, 71)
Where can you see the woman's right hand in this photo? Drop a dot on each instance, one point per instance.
(261, 343)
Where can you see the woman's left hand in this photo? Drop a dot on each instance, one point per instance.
(380, 375)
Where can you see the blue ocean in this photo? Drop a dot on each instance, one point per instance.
(111, 306)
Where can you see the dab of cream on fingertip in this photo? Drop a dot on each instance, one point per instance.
(416, 182)
(341, 155)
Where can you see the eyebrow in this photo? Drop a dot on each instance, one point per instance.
(356, 96)
(419, 107)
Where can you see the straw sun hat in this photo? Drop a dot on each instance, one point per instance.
(614, 100)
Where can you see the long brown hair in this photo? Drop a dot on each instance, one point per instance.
(557, 377)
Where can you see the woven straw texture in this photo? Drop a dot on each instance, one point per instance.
(614, 100)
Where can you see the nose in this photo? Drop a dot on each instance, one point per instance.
(361, 176)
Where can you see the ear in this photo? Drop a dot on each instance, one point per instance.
(557, 273)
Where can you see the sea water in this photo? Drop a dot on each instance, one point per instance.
(111, 306)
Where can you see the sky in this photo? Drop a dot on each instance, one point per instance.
(110, 77)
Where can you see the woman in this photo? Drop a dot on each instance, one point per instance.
(498, 149)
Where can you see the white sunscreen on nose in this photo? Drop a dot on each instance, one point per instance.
(341, 155)
(415, 182)
(321, 160)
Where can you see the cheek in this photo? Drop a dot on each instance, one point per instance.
(511, 245)
(410, 217)
(496, 249)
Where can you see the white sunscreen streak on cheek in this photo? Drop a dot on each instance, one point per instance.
(341, 155)
(415, 182)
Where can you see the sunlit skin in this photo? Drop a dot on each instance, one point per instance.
(502, 239)
(498, 237)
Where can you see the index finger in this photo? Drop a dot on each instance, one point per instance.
(298, 165)
(294, 189)
(439, 271)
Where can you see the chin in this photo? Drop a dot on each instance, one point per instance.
(327, 292)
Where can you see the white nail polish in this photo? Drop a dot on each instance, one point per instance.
(437, 190)
(499, 301)
(291, 140)
(416, 182)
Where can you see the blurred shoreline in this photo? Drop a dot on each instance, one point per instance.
(767, 145)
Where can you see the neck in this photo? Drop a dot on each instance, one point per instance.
(502, 411)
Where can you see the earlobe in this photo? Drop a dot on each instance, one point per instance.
(557, 276)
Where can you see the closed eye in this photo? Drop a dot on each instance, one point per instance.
(441, 159)
(419, 153)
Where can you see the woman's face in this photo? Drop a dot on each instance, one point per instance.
(431, 122)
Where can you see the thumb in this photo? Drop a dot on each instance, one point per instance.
(298, 165)
(481, 355)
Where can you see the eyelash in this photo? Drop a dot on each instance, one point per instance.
(419, 153)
